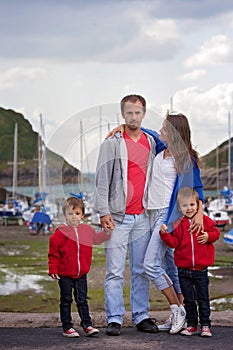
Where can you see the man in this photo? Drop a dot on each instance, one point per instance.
(122, 174)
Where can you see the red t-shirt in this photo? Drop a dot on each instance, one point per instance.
(138, 153)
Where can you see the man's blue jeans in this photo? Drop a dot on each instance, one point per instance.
(133, 236)
(194, 286)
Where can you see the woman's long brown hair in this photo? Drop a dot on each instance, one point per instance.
(179, 142)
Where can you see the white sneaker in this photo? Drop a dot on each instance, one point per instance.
(166, 326)
(178, 319)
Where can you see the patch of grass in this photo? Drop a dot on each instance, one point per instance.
(29, 257)
(223, 261)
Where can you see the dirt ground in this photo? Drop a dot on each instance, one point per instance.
(223, 286)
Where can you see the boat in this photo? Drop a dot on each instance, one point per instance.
(228, 238)
(219, 208)
(14, 206)
(41, 197)
(40, 222)
(220, 217)
(216, 211)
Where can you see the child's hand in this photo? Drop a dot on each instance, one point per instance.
(203, 237)
(55, 276)
(108, 231)
(163, 228)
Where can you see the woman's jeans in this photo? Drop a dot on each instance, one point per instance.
(132, 235)
(159, 262)
(79, 288)
(194, 286)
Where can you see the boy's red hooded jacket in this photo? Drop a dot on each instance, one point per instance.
(189, 254)
(70, 249)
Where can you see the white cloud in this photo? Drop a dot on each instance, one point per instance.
(161, 30)
(219, 49)
(207, 111)
(67, 56)
(194, 75)
(12, 76)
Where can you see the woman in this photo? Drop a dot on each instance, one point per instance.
(175, 166)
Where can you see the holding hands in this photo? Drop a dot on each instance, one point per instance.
(163, 228)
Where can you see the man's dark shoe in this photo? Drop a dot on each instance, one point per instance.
(147, 326)
(113, 328)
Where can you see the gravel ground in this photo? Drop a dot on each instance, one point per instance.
(44, 320)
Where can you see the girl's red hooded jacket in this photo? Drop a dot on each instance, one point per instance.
(70, 249)
(189, 254)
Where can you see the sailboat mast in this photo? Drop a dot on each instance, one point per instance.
(42, 158)
(81, 155)
(229, 150)
(39, 159)
(171, 104)
(15, 161)
(217, 168)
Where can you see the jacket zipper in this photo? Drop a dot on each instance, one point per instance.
(193, 258)
(78, 252)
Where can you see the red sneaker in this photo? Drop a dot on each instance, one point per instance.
(206, 332)
(91, 330)
(71, 333)
(189, 331)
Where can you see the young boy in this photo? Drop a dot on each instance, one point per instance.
(193, 254)
(70, 256)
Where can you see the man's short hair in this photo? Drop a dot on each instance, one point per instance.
(133, 99)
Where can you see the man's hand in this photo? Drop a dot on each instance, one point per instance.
(107, 222)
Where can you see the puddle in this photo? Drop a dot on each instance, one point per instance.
(15, 283)
(220, 272)
(12, 251)
(221, 304)
(212, 269)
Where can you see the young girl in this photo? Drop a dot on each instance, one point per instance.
(70, 255)
(194, 252)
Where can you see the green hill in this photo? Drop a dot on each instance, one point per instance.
(59, 169)
(211, 177)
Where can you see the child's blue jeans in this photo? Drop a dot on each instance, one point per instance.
(79, 288)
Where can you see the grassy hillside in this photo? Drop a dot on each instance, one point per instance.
(210, 175)
(27, 153)
(27, 138)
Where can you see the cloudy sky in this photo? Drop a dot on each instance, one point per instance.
(73, 59)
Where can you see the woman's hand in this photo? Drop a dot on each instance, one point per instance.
(203, 237)
(119, 128)
(197, 221)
